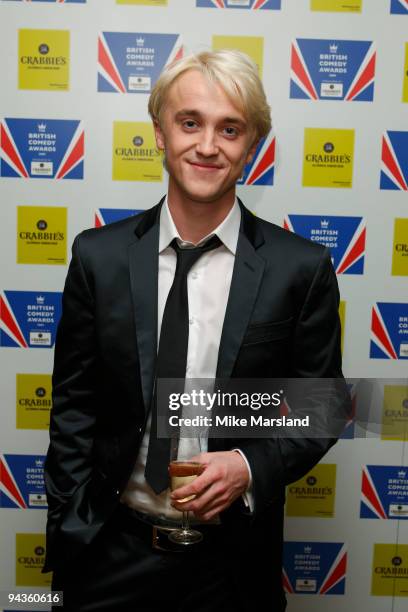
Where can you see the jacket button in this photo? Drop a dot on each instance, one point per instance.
(117, 492)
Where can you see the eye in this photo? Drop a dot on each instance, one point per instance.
(189, 124)
(231, 131)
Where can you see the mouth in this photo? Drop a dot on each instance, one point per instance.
(204, 166)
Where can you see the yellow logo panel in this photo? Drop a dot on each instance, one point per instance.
(41, 235)
(390, 570)
(314, 494)
(135, 156)
(405, 81)
(30, 556)
(43, 57)
(400, 248)
(342, 314)
(328, 158)
(251, 45)
(395, 413)
(337, 6)
(144, 2)
(33, 401)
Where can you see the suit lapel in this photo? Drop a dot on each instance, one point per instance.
(143, 269)
(245, 283)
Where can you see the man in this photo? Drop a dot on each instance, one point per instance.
(261, 303)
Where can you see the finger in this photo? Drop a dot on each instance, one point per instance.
(211, 514)
(213, 495)
(197, 487)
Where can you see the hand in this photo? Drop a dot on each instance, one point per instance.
(224, 479)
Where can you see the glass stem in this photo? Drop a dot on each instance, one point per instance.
(184, 522)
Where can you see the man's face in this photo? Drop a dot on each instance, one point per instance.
(207, 140)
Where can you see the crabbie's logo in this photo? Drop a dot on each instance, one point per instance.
(332, 70)
(33, 401)
(30, 557)
(399, 7)
(394, 423)
(400, 248)
(240, 4)
(260, 171)
(132, 62)
(22, 481)
(42, 149)
(328, 158)
(344, 236)
(314, 494)
(337, 6)
(405, 76)
(394, 161)
(314, 568)
(41, 235)
(390, 570)
(43, 59)
(251, 45)
(29, 319)
(389, 331)
(135, 155)
(104, 216)
(384, 492)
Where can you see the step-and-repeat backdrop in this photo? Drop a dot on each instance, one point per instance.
(77, 151)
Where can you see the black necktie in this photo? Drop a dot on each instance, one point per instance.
(172, 355)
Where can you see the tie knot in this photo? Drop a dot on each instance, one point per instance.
(187, 257)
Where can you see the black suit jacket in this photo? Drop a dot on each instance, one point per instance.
(281, 320)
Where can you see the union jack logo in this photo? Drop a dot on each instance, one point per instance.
(393, 153)
(10, 154)
(379, 334)
(400, 6)
(336, 573)
(301, 75)
(260, 171)
(104, 216)
(107, 66)
(369, 495)
(287, 586)
(9, 324)
(109, 70)
(99, 220)
(8, 485)
(354, 251)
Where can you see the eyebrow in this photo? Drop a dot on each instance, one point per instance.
(194, 113)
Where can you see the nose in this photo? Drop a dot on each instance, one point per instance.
(207, 145)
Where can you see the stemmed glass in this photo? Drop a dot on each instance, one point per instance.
(183, 471)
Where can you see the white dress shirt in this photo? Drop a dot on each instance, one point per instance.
(208, 286)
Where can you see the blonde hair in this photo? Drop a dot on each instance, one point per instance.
(234, 71)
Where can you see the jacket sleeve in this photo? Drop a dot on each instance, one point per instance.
(278, 461)
(68, 463)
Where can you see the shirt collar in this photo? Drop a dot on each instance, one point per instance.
(227, 231)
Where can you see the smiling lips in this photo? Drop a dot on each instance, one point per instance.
(205, 166)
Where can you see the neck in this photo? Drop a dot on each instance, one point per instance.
(195, 220)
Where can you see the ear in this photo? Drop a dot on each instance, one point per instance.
(251, 151)
(159, 135)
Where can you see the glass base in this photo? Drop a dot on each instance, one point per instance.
(185, 536)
